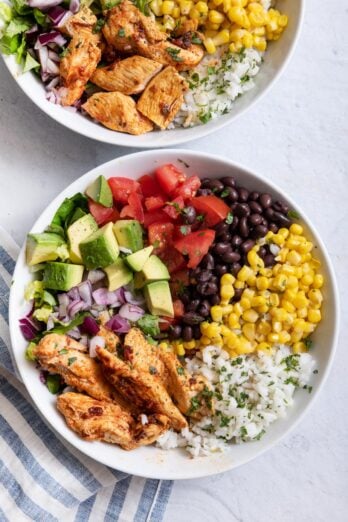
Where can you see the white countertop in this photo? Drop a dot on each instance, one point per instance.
(296, 136)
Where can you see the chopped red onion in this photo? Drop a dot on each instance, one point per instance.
(29, 328)
(75, 307)
(84, 340)
(144, 419)
(94, 276)
(43, 376)
(52, 84)
(95, 342)
(74, 294)
(52, 55)
(118, 324)
(131, 312)
(51, 37)
(90, 326)
(52, 68)
(103, 297)
(85, 292)
(56, 14)
(120, 295)
(74, 6)
(43, 5)
(68, 389)
(136, 299)
(74, 333)
(50, 323)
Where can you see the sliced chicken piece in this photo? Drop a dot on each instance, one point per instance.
(192, 395)
(125, 25)
(129, 76)
(144, 389)
(100, 420)
(112, 341)
(118, 112)
(60, 354)
(129, 31)
(141, 355)
(163, 97)
(81, 57)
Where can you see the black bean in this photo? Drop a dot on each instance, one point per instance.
(187, 333)
(221, 270)
(280, 218)
(203, 311)
(214, 279)
(234, 223)
(264, 222)
(207, 288)
(243, 194)
(204, 192)
(176, 332)
(196, 332)
(232, 195)
(222, 248)
(266, 200)
(208, 262)
(273, 227)
(243, 227)
(237, 294)
(215, 185)
(226, 238)
(189, 215)
(259, 231)
(255, 207)
(185, 298)
(268, 213)
(214, 299)
(221, 228)
(205, 182)
(231, 257)
(269, 260)
(279, 206)
(241, 209)
(229, 181)
(254, 196)
(247, 245)
(193, 305)
(255, 219)
(262, 252)
(192, 318)
(235, 268)
(203, 276)
(236, 240)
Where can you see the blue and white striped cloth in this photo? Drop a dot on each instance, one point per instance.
(42, 477)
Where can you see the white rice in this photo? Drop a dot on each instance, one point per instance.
(215, 83)
(251, 392)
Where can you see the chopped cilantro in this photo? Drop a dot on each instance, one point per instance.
(71, 360)
(292, 380)
(62, 352)
(245, 78)
(239, 360)
(195, 404)
(224, 421)
(205, 116)
(121, 32)
(174, 54)
(243, 432)
(292, 214)
(152, 370)
(224, 193)
(184, 230)
(196, 40)
(98, 26)
(149, 324)
(200, 218)
(229, 218)
(180, 370)
(291, 362)
(259, 435)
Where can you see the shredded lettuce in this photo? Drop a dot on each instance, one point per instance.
(65, 213)
(35, 290)
(43, 313)
(30, 63)
(17, 26)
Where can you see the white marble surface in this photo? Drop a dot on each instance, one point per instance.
(297, 136)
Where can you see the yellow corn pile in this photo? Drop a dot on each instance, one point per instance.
(239, 23)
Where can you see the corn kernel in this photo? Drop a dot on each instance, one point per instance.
(318, 281)
(288, 306)
(314, 316)
(302, 312)
(226, 292)
(244, 273)
(222, 38)
(274, 299)
(277, 326)
(250, 316)
(262, 283)
(227, 279)
(248, 330)
(263, 347)
(208, 43)
(202, 7)
(185, 6)
(216, 313)
(156, 7)
(300, 301)
(263, 328)
(216, 17)
(205, 340)
(180, 350)
(239, 285)
(273, 337)
(213, 330)
(239, 16)
(176, 12)
(260, 43)
(237, 308)
(233, 320)
(315, 296)
(245, 303)
(167, 7)
(284, 337)
(190, 345)
(294, 258)
(280, 282)
(296, 336)
(258, 301)
(299, 347)
(163, 346)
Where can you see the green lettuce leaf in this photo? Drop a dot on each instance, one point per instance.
(30, 63)
(149, 324)
(17, 26)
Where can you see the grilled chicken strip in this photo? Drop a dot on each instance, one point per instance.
(163, 97)
(60, 354)
(192, 395)
(140, 354)
(129, 31)
(129, 76)
(81, 57)
(143, 388)
(101, 420)
(118, 112)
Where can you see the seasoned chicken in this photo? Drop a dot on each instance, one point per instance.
(163, 97)
(192, 395)
(118, 112)
(140, 354)
(60, 354)
(129, 31)
(101, 420)
(129, 76)
(143, 388)
(112, 341)
(81, 57)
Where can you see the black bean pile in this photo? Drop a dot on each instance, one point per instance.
(253, 214)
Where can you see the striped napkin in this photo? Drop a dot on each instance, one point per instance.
(42, 477)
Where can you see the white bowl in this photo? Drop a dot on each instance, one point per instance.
(150, 461)
(276, 58)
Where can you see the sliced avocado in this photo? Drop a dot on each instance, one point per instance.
(100, 192)
(118, 274)
(137, 260)
(129, 234)
(158, 298)
(100, 249)
(153, 270)
(79, 213)
(62, 276)
(77, 232)
(44, 247)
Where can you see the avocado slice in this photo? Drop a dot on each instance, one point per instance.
(45, 247)
(100, 192)
(129, 234)
(159, 299)
(77, 232)
(137, 260)
(100, 249)
(118, 274)
(62, 276)
(153, 270)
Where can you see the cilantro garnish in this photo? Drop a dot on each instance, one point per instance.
(180, 370)
(62, 352)
(174, 54)
(229, 218)
(292, 214)
(71, 360)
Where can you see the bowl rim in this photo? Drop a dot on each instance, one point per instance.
(200, 131)
(327, 263)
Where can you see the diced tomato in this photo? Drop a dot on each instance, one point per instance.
(179, 308)
(149, 186)
(195, 245)
(154, 202)
(213, 208)
(165, 323)
(122, 188)
(181, 231)
(160, 235)
(178, 281)
(134, 209)
(156, 216)
(102, 214)
(173, 260)
(169, 177)
(174, 208)
(188, 189)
